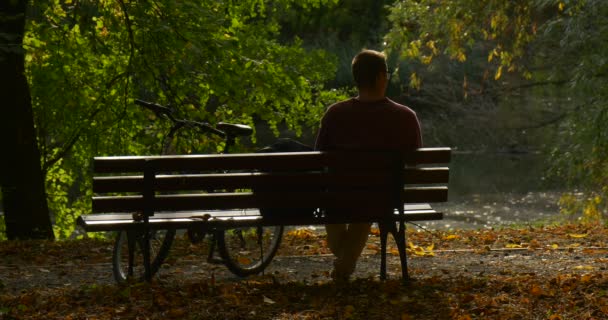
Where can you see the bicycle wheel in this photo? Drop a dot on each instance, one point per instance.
(160, 243)
(248, 251)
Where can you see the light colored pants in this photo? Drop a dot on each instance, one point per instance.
(346, 242)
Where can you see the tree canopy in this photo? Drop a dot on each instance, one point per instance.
(529, 43)
(271, 64)
(212, 61)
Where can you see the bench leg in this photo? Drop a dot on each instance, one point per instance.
(399, 236)
(383, 236)
(146, 253)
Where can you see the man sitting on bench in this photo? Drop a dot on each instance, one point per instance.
(369, 121)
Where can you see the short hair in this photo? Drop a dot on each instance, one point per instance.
(366, 67)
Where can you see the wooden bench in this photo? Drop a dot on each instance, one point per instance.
(179, 192)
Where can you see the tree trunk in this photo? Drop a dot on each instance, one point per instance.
(26, 211)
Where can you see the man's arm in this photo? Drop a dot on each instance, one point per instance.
(322, 134)
(418, 132)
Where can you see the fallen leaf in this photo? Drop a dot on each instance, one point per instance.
(513, 246)
(268, 300)
(577, 235)
(420, 251)
(534, 244)
(536, 290)
(452, 237)
(374, 247)
(586, 278)
(301, 234)
(244, 260)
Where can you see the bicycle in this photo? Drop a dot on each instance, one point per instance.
(244, 251)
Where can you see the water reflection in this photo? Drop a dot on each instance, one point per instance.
(497, 189)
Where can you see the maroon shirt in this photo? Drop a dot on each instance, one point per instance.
(382, 125)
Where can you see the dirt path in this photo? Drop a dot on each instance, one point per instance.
(88, 264)
(532, 273)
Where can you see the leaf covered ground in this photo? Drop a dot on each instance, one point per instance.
(556, 272)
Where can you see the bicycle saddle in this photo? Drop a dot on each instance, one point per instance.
(235, 130)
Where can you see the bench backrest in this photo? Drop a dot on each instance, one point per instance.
(340, 180)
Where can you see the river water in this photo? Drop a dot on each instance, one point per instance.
(497, 189)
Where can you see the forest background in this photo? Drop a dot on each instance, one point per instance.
(513, 76)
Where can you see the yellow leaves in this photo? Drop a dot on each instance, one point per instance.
(513, 246)
(413, 50)
(492, 54)
(431, 45)
(415, 81)
(393, 251)
(460, 56)
(421, 251)
(451, 237)
(591, 211)
(561, 6)
(498, 73)
(426, 59)
(577, 235)
(303, 234)
(584, 267)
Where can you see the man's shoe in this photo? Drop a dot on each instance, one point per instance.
(339, 278)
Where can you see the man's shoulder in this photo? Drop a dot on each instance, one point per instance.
(400, 107)
(344, 104)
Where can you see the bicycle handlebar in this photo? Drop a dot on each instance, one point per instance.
(168, 112)
(208, 128)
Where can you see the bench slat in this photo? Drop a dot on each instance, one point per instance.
(268, 199)
(116, 222)
(274, 161)
(187, 182)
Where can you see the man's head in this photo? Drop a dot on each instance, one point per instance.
(369, 69)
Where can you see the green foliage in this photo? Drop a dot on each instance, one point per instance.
(210, 60)
(561, 43)
(582, 154)
(424, 30)
(342, 28)
(2, 229)
(587, 208)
